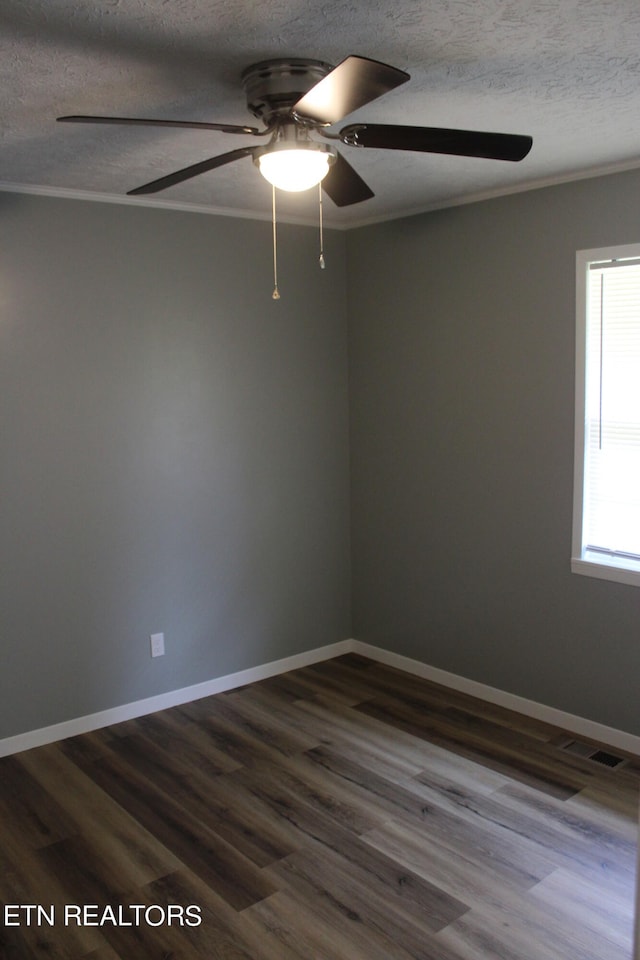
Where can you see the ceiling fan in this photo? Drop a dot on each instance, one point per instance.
(297, 99)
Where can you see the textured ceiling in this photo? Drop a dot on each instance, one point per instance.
(567, 72)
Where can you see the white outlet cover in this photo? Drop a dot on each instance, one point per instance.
(157, 644)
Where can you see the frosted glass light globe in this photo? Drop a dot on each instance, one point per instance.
(294, 170)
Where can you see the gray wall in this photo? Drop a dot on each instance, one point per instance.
(462, 399)
(174, 452)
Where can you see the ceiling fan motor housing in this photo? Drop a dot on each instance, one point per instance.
(272, 87)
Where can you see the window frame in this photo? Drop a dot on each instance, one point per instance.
(614, 569)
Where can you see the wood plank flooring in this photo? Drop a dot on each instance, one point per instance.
(345, 811)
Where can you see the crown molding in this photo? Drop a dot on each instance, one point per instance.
(541, 183)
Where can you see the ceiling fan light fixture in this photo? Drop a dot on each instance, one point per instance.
(295, 167)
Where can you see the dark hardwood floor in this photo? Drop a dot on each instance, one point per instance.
(345, 811)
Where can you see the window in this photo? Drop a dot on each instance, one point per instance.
(606, 522)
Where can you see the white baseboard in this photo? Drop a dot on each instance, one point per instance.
(579, 726)
(173, 698)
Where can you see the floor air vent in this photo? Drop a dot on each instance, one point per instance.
(607, 759)
(589, 752)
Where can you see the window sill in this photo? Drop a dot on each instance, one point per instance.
(604, 570)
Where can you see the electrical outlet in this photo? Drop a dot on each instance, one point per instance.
(157, 644)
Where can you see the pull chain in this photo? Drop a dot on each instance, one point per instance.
(321, 258)
(276, 293)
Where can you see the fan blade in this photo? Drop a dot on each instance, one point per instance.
(343, 185)
(353, 83)
(139, 122)
(463, 143)
(193, 171)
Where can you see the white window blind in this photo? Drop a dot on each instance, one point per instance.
(610, 522)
